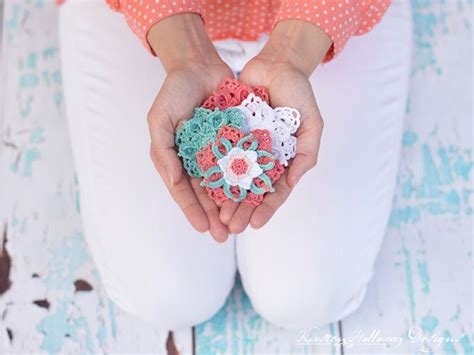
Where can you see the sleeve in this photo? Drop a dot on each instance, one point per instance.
(141, 15)
(340, 19)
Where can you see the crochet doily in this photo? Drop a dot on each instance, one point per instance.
(239, 167)
(282, 122)
(200, 130)
(232, 92)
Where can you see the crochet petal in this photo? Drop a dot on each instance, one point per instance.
(255, 170)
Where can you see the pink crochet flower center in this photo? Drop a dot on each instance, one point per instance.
(206, 159)
(239, 166)
(232, 92)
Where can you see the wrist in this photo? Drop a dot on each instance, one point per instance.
(298, 44)
(181, 40)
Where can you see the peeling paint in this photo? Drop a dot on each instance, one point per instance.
(455, 317)
(448, 346)
(30, 155)
(422, 268)
(66, 259)
(409, 282)
(429, 324)
(82, 286)
(409, 138)
(466, 345)
(170, 345)
(435, 193)
(113, 320)
(37, 135)
(5, 264)
(55, 327)
(10, 334)
(42, 303)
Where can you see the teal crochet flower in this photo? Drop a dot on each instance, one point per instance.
(201, 130)
(239, 167)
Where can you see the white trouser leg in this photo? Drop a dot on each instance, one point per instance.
(311, 264)
(151, 261)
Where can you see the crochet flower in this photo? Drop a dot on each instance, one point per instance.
(239, 167)
(200, 130)
(282, 122)
(232, 92)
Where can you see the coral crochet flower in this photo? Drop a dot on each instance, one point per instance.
(239, 167)
(232, 92)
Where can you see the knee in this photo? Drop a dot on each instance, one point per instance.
(304, 304)
(169, 306)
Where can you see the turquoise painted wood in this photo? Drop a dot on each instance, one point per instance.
(237, 329)
(422, 288)
(56, 303)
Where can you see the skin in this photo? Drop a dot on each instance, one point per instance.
(194, 70)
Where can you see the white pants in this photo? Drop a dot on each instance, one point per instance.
(311, 264)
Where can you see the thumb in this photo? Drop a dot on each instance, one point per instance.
(167, 163)
(162, 149)
(307, 148)
(300, 165)
(174, 169)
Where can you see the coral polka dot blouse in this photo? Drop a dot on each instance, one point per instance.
(248, 19)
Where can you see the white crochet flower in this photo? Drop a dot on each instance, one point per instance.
(282, 122)
(239, 167)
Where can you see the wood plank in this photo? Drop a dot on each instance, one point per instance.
(423, 279)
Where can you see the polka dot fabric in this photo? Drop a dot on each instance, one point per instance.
(248, 19)
(340, 19)
(141, 15)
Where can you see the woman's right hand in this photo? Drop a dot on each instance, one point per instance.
(194, 70)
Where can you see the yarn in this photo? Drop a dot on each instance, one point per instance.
(200, 130)
(232, 92)
(282, 122)
(237, 143)
(225, 181)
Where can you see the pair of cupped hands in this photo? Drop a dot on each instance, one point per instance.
(194, 70)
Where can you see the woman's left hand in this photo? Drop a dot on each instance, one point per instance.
(284, 67)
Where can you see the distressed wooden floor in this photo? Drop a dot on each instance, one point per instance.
(420, 300)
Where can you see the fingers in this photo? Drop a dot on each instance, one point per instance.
(307, 147)
(217, 229)
(163, 152)
(264, 212)
(184, 195)
(300, 165)
(228, 209)
(169, 167)
(167, 163)
(241, 218)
